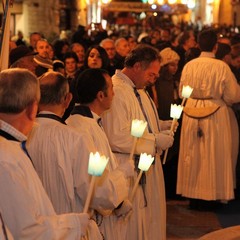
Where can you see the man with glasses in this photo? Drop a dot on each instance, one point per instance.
(142, 66)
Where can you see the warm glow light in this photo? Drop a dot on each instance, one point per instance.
(138, 128)
(160, 2)
(191, 4)
(154, 6)
(150, 1)
(145, 161)
(155, 14)
(184, 1)
(97, 164)
(172, 1)
(186, 91)
(176, 111)
(106, 1)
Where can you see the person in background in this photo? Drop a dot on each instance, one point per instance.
(70, 60)
(44, 63)
(131, 42)
(80, 51)
(109, 46)
(60, 47)
(70, 70)
(24, 204)
(206, 174)
(165, 95)
(122, 50)
(34, 37)
(20, 40)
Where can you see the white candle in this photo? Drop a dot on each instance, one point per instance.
(145, 161)
(186, 91)
(176, 111)
(138, 127)
(144, 164)
(97, 164)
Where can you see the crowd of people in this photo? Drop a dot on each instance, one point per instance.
(62, 101)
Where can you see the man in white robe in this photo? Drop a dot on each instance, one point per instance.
(24, 204)
(142, 66)
(209, 136)
(4, 231)
(95, 93)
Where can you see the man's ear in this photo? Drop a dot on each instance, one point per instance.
(100, 95)
(137, 66)
(67, 99)
(31, 110)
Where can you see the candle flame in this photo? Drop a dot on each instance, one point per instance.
(138, 127)
(145, 161)
(186, 91)
(176, 111)
(97, 164)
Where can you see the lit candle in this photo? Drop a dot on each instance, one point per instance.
(145, 161)
(186, 93)
(96, 166)
(144, 164)
(175, 113)
(137, 129)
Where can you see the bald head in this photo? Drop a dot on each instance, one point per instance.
(54, 88)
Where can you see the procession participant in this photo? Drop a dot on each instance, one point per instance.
(142, 66)
(209, 136)
(24, 204)
(95, 94)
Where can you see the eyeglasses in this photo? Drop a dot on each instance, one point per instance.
(153, 75)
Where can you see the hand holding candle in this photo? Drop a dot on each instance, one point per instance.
(96, 166)
(144, 164)
(175, 113)
(137, 129)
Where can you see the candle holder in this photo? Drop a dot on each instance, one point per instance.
(137, 129)
(175, 113)
(144, 164)
(96, 166)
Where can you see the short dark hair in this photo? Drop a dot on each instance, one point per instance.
(53, 87)
(183, 37)
(207, 39)
(89, 83)
(143, 53)
(70, 54)
(222, 50)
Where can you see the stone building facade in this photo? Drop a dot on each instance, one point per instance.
(52, 16)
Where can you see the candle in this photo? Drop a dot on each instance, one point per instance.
(175, 113)
(144, 164)
(145, 161)
(138, 127)
(186, 93)
(96, 166)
